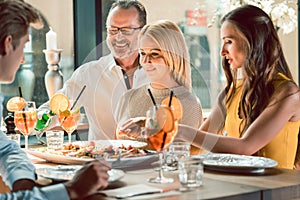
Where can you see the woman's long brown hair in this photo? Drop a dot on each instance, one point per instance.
(264, 60)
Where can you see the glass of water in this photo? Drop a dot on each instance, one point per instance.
(55, 139)
(190, 172)
(176, 151)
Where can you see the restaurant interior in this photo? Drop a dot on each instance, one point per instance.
(81, 33)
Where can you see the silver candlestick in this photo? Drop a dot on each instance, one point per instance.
(53, 77)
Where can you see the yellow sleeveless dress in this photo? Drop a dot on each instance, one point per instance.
(283, 147)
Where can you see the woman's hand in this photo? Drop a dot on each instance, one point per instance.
(132, 128)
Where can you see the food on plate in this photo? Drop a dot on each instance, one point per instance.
(93, 150)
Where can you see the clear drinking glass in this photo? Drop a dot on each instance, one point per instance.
(190, 172)
(161, 128)
(69, 119)
(55, 139)
(176, 151)
(26, 119)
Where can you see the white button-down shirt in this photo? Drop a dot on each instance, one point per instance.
(105, 85)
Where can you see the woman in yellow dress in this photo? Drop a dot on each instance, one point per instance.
(258, 112)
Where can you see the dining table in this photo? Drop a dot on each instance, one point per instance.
(271, 183)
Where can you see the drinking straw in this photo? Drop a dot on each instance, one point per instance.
(171, 96)
(23, 114)
(20, 92)
(78, 97)
(80, 93)
(165, 134)
(152, 98)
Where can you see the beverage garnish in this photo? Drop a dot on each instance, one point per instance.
(15, 104)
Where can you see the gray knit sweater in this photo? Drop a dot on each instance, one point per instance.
(136, 102)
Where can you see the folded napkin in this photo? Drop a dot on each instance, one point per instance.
(133, 192)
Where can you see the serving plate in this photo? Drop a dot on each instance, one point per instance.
(124, 163)
(237, 163)
(66, 172)
(60, 159)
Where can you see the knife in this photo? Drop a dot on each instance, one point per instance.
(124, 196)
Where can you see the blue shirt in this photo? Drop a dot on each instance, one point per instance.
(15, 165)
(52, 192)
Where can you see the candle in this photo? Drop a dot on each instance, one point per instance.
(51, 43)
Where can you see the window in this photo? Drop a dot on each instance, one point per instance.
(31, 75)
(82, 29)
(203, 42)
(193, 16)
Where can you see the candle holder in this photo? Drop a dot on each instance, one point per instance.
(53, 77)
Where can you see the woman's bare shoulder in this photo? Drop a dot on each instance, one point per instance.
(288, 96)
(287, 89)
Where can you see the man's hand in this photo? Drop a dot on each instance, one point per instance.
(90, 178)
(23, 184)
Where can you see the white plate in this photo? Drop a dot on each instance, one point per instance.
(58, 158)
(237, 163)
(66, 172)
(125, 163)
(114, 143)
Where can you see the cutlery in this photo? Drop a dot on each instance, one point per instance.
(124, 196)
(176, 191)
(117, 162)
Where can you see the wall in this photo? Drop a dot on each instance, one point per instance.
(59, 15)
(174, 10)
(290, 48)
(60, 18)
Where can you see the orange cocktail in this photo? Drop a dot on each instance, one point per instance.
(26, 119)
(161, 128)
(69, 120)
(67, 116)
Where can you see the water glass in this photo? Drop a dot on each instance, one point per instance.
(176, 151)
(55, 140)
(190, 172)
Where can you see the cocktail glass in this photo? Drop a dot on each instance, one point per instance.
(26, 119)
(69, 119)
(161, 128)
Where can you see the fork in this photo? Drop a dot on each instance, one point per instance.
(117, 162)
